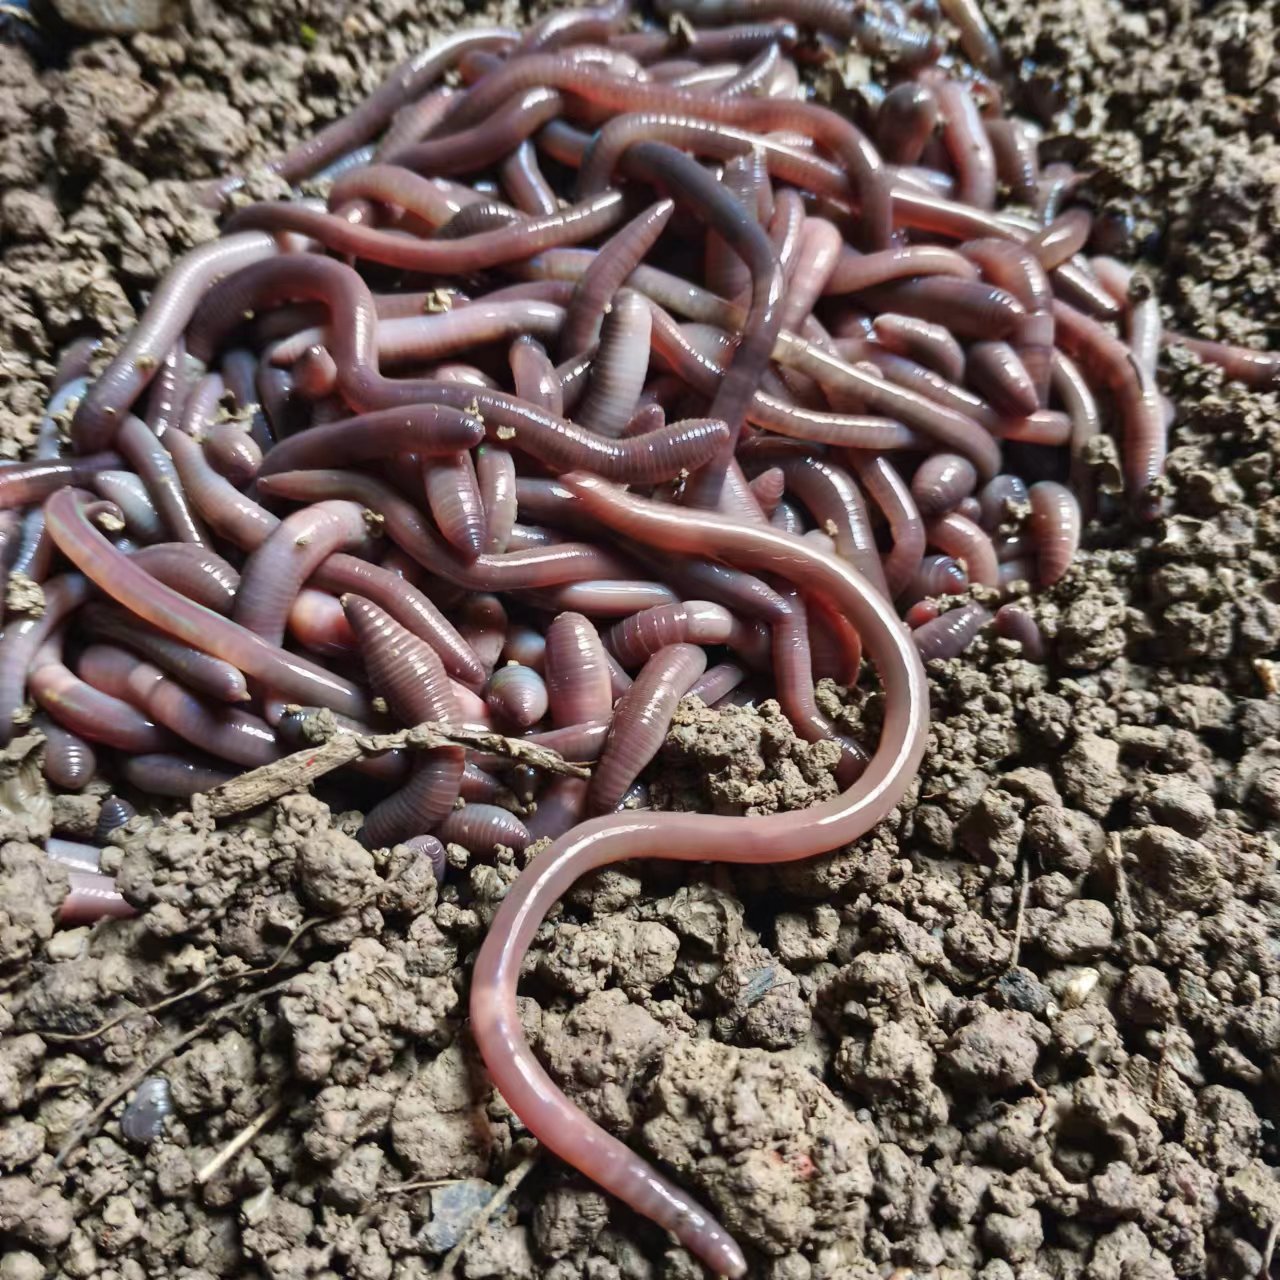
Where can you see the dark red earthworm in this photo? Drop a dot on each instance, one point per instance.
(940, 482)
(577, 672)
(69, 761)
(921, 612)
(1075, 284)
(1014, 623)
(274, 572)
(239, 369)
(151, 460)
(880, 478)
(1055, 529)
(950, 634)
(1062, 239)
(932, 345)
(167, 315)
(1000, 377)
(134, 588)
(969, 308)
(481, 147)
(724, 271)
(453, 497)
(198, 671)
(755, 76)
(905, 121)
(1258, 369)
(511, 243)
(637, 638)
(482, 620)
(482, 827)
(1003, 499)
(640, 722)
(517, 695)
(534, 376)
(89, 713)
(855, 272)
(524, 182)
(164, 774)
(496, 477)
(966, 142)
(620, 366)
(198, 573)
(1017, 159)
(427, 797)
(408, 81)
(969, 544)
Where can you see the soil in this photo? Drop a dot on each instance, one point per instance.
(1029, 1028)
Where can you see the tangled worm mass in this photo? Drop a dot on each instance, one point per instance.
(611, 368)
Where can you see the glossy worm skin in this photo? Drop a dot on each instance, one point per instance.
(1054, 528)
(481, 827)
(1012, 622)
(165, 774)
(69, 761)
(950, 634)
(784, 837)
(968, 543)
(577, 671)
(517, 695)
(940, 482)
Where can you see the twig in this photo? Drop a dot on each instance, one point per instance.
(297, 771)
(240, 1141)
(400, 1188)
(1124, 905)
(1269, 1251)
(477, 1224)
(1019, 921)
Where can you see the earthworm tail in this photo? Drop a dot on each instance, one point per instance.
(577, 672)
(1054, 528)
(165, 774)
(1015, 623)
(949, 635)
(517, 695)
(940, 482)
(69, 761)
(480, 827)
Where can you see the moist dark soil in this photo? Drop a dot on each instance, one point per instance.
(1028, 1028)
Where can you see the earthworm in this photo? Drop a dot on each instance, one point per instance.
(116, 812)
(940, 481)
(855, 272)
(717, 682)
(1062, 239)
(89, 713)
(75, 361)
(880, 478)
(495, 1022)
(1257, 369)
(767, 488)
(408, 81)
(641, 720)
(91, 898)
(1017, 162)
(603, 598)
(966, 142)
(950, 634)
(525, 184)
(411, 122)
(142, 1121)
(816, 256)
(228, 512)
(969, 308)
(976, 37)
(167, 315)
(998, 375)
(232, 451)
(153, 463)
(166, 774)
(577, 672)
(905, 121)
(1002, 498)
(615, 261)
(316, 622)
(198, 671)
(1013, 622)
(559, 808)
(427, 797)
(535, 376)
(936, 576)
(198, 573)
(128, 492)
(432, 850)
(453, 497)
(131, 586)
(170, 390)
(482, 620)
(1054, 526)
(637, 638)
(200, 408)
(511, 243)
(724, 270)
(496, 477)
(69, 761)
(71, 853)
(481, 827)
(23, 483)
(956, 536)
(517, 695)
(620, 366)
(274, 573)
(929, 344)
(525, 647)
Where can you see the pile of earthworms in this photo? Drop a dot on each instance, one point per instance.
(587, 368)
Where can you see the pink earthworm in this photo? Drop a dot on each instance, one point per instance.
(170, 390)
(1017, 161)
(1018, 574)
(167, 315)
(855, 272)
(559, 808)
(128, 492)
(1001, 499)
(1044, 427)
(768, 487)
(232, 451)
(576, 26)
(976, 37)
(617, 258)
(75, 361)
(24, 483)
(151, 460)
(717, 682)
(940, 482)
(724, 270)
(453, 497)
(932, 345)
(525, 184)
(133, 587)
(316, 622)
(603, 598)
(198, 573)
(481, 827)
(956, 536)
(970, 508)
(1144, 436)
(1013, 622)
(274, 573)
(637, 638)
(91, 714)
(1073, 391)
(166, 774)
(525, 647)
(969, 308)
(432, 850)
(581, 743)
(411, 122)
(427, 797)
(577, 672)
(517, 695)
(535, 376)
(495, 1021)
(880, 478)
(951, 633)
(905, 121)
(511, 243)
(483, 146)
(426, 203)
(1257, 369)
(69, 761)
(496, 477)
(816, 256)
(641, 720)
(408, 81)
(1055, 529)
(227, 511)
(201, 406)
(1000, 377)
(1056, 183)
(1062, 239)
(73, 853)
(966, 142)
(482, 620)
(90, 898)
(620, 366)
(198, 671)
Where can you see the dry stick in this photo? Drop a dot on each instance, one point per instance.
(240, 1141)
(477, 1224)
(295, 772)
(1024, 886)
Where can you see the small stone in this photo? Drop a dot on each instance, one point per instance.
(452, 1208)
(997, 1050)
(1082, 931)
